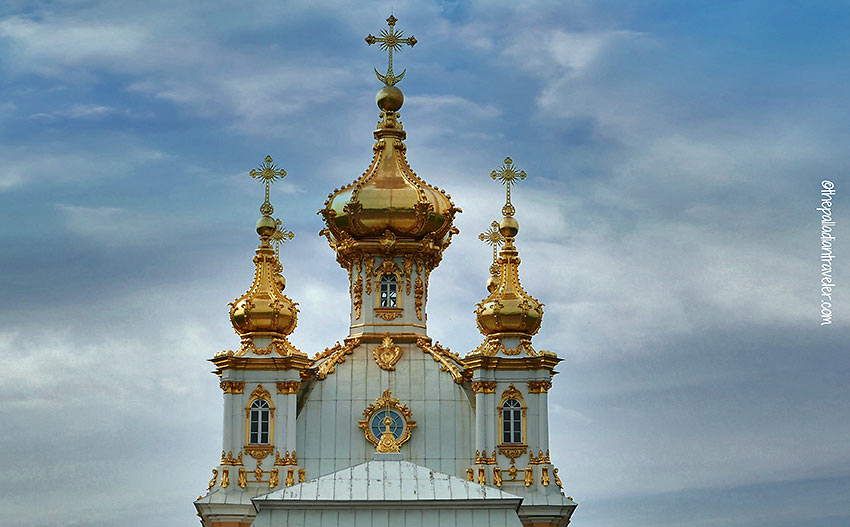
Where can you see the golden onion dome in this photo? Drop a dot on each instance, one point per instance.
(264, 308)
(389, 197)
(508, 309)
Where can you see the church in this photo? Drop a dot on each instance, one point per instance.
(387, 427)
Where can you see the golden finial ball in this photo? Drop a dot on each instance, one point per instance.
(266, 226)
(389, 99)
(492, 283)
(509, 227)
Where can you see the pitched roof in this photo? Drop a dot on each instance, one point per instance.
(389, 481)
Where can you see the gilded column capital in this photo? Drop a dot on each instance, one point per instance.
(234, 387)
(288, 387)
(539, 386)
(484, 386)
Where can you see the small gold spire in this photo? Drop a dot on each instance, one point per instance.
(390, 41)
(508, 175)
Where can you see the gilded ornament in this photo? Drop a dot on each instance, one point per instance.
(512, 471)
(388, 313)
(290, 477)
(470, 475)
(544, 476)
(287, 459)
(273, 475)
(540, 459)
(390, 40)
(508, 175)
(230, 460)
(481, 479)
(258, 472)
(357, 292)
(482, 459)
(387, 444)
(493, 238)
(288, 387)
(214, 477)
(279, 344)
(497, 476)
(261, 393)
(449, 362)
(225, 478)
(387, 402)
(302, 475)
(242, 480)
(387, 354)
(512, 451)
(484, 386)
(539, 386)
(408, 267)
(529, 476)
(557, 479)
(334, 355)
(418, 291)
(259, 452)
(370, 269)
(234, 387)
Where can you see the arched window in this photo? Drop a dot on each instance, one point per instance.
(259, 422)
(511, 422)
(389, 290)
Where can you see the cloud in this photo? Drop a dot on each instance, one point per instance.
(77, 111)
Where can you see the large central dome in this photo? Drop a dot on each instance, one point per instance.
(389, 200)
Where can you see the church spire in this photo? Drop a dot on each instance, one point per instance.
(509, 316)
(264, 316)
(389, 227)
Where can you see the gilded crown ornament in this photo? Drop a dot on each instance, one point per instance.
(264, 311)
(509, 316)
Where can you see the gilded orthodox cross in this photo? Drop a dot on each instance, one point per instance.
(390, 41)
(494, 239)
(268, 173)
(508, 175)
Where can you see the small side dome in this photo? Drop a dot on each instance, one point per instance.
(264, 307)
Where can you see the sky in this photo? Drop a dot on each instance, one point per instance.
(674, 152)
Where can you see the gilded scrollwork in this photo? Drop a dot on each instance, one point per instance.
(242, 479)
(290, 477)
(469, 475)
(497, 476)
(334, 356)
(278, 344)
(259, 452)
(214, 478)
(418, 291)
(387, 354)
(225, 478)
(302, 475)
(544, 476)
(369, 266)
(481, 477)
(408, 267)
(273, 475)
(357, 294)
(388, 313)
(449, 362)
(557, 479)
